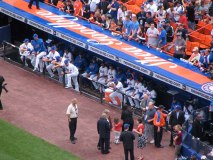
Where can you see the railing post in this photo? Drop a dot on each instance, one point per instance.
(23, 62)
(197, 145)
(44, 68)
(4, 50)
(64, 77)
(101, 94)
(80, 86)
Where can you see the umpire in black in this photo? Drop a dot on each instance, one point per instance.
(72, 114)
(31, 3)
(1, 83)
(104, 133)
(127, 137)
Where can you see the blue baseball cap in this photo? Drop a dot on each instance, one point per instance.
(94, 58)
(110, 64)
(115, 80)
(194, 154)
(186, 104)
(149, 87)
(161, 25)
(66, 61)
(119, 69)
(65, 48)
(142, 7)
(57, 58)
(126, 125)
(167, 21)
(26, 40)
(53, 48)
(80, 53)
(57, 46)
(144, 82)
(35, 35)
(181, 12)
(174, 98)
(177, 107)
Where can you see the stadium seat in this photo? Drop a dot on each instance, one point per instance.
(174, 25)
(201, 24)
(139, 2)
(208, 40)
(207, 30)
(188, 48)
(134, 8)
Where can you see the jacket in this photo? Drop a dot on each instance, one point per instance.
(38, 45)
(92, 69)
(80, 63)
(198, 129)
(159, 119)
(174, 120)
(103, 128)
(127, 138)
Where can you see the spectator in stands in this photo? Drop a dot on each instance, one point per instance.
(25, 51)
(124, 10)
(39, 52)
(151, 93)
(91, 71)
(103, 19)
(206, 60)
(102, 6)
(198, 128)
(175, 102)
(68, 55)
(182, 31)
(108, 21)
(183, 20)
(68, 8)
(149, 20)
(101, 77)
(194, 58)
(117, 87)
(112, 25)
(134, 29)
(198, 11)
(78, 8)
(170, 11)
(119, 27)
(162, 36)
(59, 50)
(161, 14)
(86, 10)
(211, 111)
(129, 13)
(177, 9)
(179, 44)
(152, 34)
(121, 76)
(169, 32)
(141, 16)
(96, 18)
(93, 5)
(80, 62)
(164, 3)
(190, 13)
(176, 117)
(207, 5)
(151, 7)
(113, 6)
(141, 34)
(54, 2)
(187, 108)
(127, 26)
(120, 13)
(129, 89)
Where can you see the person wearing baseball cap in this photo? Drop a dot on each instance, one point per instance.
(159, 122)
(127, 137)
(162, 36)
(68, 55)
(175, 102)
(183, 32)
(183, 20)
(39, 52)
(169, 31)
(178, 7)
(193, 156)
(121, 76)
(129, 89)
(141, 16)
(152, 8)
(80, 62)
(203, 157)
(195, 55)
(176, 117)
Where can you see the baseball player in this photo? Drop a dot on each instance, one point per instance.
(25, 50)
(50, 58)
(136, 94)
(117, 86)
(130, 87)
(121, 76)
(71, 71)
(151, 93)
(68, 55)
(80, 62)
(102, 75)
(39, 51)
(144, 88)
(92, 70)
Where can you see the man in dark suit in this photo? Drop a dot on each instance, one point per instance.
(54, 2)
(1, 83)
(176, 117)
(31, 3)
(198, 128)
(104, 132)
(127, 137)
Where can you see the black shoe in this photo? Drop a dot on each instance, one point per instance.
(1, 108)
(73, 141)
(38, 8)
(75, 138)
(110, 148)
(160, 146)
(107, 152)
(99, 148)
(29, 7)
(170, 144)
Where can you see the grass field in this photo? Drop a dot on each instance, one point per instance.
(16, 143)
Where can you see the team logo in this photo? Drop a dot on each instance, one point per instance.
(208, 87)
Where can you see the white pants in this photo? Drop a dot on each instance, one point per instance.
(117, 134)
(49, 69)
(38, 60)
(100, 80)
(128, 93)
(74, 77)
(26, 55)
(91, 76)
(137, 104)
(115, 94)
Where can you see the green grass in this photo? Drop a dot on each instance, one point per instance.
(17, 144)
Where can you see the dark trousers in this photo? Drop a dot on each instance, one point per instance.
(72, 127)
(126, 151)
(158, 136)
(171, 138)
(104, 142)
(1, 107)
(178, 55)
(31, 3)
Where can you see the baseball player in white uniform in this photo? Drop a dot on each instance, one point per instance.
(117, 86)
(130, 87)
(151, 93)
(25, 50)
(102, 75)
(71, 71)
(111, 75)
(68, 55)
(50, 58)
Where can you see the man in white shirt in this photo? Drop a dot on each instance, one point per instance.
(152, 34)
(120, 13)
(151, 7)
(117, 86)
(68, 55)
(187, 109)
(102, 75)
(72, 114)
(71, 71)
(151, 93)
(177, 9)
(25, 50)
(130, 87)
(51, 57)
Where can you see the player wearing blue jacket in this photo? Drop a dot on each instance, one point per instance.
(92, 70)
(121, 76)
(80, 62)
(60, 51)
(175, 102)
(39, 51)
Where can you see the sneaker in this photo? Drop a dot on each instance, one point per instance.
(75, 138)
(73, 141)
(35, 69)
(115, 141)
(152, 141)
(68, 87)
